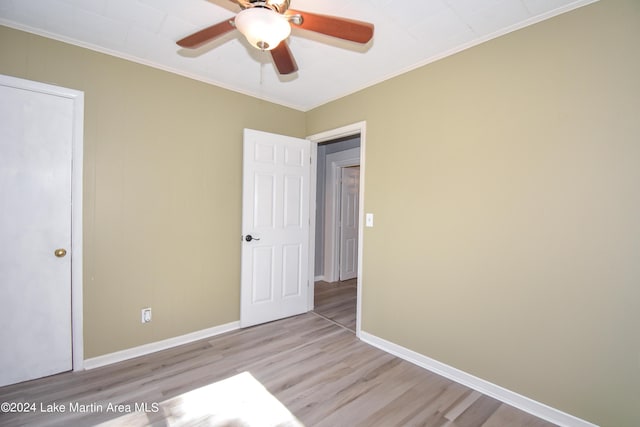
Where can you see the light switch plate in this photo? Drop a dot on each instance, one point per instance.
(146, 315)
(369, 220)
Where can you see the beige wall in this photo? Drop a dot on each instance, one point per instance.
(162, 190)
(505, 183)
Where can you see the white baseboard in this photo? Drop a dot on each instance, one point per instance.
(130, 353)
(523, 403)
(319, 278)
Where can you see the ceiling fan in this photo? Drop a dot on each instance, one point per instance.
(267, 23)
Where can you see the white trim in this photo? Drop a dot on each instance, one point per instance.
(313, 152)
(77, 97)
(77, 318)
(509, 397)
(319, 279)
(142, 350)
(341, 132)
(359, 128)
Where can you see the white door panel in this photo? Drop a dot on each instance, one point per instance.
(36, 133)
(276, 215)
(349, 198)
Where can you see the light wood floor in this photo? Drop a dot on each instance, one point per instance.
(320, 371)
(337, 301)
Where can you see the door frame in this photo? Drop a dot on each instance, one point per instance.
(358, 128)
(77, 144)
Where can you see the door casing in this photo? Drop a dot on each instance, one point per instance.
(358, 128)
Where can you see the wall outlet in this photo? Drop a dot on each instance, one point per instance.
(146, 315)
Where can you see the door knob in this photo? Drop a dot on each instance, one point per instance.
(60, 252)
(250, 238)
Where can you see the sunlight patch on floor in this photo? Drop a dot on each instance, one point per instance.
(238, 401)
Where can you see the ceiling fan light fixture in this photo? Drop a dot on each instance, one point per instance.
(263, 27)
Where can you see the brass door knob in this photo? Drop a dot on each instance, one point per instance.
(60, 252)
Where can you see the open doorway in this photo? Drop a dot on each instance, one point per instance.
(337, 229)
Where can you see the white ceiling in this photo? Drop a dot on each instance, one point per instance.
(408, 34)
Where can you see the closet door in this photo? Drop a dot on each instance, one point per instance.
(36, 136)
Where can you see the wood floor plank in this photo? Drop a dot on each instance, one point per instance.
(434, 409)
(417, 399)
(388, 385)
(461, 406)
(507, 415)
(478, 412)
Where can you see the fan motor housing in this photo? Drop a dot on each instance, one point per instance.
(279, 6)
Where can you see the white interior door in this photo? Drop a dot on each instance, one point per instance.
(36, 136)
(275, 227)
(349, 196)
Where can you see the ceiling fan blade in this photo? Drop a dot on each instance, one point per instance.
(283, 59)
(201, 37)
(342, 28)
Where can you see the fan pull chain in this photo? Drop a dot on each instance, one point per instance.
(262, 65)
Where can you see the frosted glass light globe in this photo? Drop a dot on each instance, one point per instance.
(263, 27)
